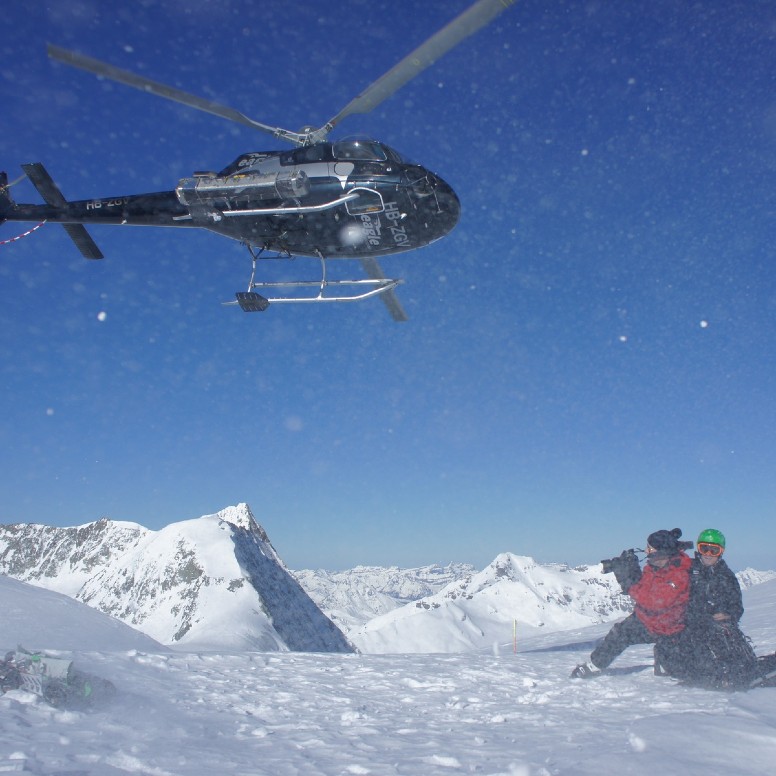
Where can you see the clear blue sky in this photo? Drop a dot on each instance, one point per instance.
(590, 356)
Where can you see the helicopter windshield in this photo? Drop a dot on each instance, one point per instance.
(362, 148)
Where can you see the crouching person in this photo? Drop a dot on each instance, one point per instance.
(711, 651)
(660, 595)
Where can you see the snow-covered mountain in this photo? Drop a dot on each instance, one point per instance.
(513, 593)
(454, 608)
(353, 597)
(750, 577)
(214, 582)
(45, 620)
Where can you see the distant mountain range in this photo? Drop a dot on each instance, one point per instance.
(217, 583)
(455, 608)
(353, 597)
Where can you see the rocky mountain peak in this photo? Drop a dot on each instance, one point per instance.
(214, 581)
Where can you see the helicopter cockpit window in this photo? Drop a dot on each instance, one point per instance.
(312, 153)
(359, 148)
(367, 201)
(395, 156)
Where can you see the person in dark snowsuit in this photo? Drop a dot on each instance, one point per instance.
(715, 593)
(712, 651)
(660, 594)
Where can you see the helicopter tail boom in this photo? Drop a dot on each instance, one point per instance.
(51, 194)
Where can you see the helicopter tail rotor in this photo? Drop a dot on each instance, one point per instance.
(51, 194)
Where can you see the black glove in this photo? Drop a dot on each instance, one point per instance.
(627, 570)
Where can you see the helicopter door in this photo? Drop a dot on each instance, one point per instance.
(368, 201)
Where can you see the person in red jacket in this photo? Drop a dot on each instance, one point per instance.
(660, 595)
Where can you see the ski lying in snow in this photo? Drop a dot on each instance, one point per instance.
(619, 671)
(769, 680)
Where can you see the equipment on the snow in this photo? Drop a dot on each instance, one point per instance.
(716, 655)
(766, 671)
(56, 680)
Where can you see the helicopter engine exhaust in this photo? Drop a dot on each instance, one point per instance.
(243, 187)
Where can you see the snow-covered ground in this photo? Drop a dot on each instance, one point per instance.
(288, 714)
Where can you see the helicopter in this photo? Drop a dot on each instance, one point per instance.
(353, 198)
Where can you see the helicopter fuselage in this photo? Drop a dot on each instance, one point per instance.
(352, 198)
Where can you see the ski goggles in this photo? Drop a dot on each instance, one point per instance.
(715, 550)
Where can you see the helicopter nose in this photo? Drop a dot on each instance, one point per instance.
(448, 205)
(434, 206)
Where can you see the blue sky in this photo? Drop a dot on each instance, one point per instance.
(590, 355)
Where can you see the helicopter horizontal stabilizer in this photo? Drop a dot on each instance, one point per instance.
(51, 194)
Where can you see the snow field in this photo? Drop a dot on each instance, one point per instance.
(491, 712)
(287, 714)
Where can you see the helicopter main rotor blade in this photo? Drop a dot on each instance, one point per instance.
(103, 69)
(471, 20)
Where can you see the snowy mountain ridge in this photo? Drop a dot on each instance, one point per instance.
(216, 582)
(212, 582)
(513, 595)
(352, 597)
(750, 577)
(485, 608)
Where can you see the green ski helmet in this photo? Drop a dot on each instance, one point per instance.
(711, 536)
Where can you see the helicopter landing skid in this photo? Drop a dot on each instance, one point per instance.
(251, 301)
